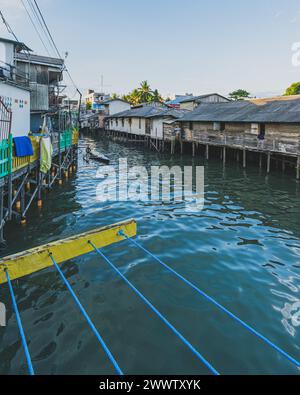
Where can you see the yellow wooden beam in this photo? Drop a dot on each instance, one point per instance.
(35, 259)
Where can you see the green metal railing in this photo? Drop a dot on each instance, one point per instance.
(5, 156)
(9, 163)
(66, 139)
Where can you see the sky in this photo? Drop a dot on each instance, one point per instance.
(190, 46)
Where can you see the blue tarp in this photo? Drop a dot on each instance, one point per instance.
(23, 146)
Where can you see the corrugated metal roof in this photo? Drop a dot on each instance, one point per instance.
(149, 112)
(198, 98)
(279, 111)
(38, 59)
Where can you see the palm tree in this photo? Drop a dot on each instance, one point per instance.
(114, 96)
(156, 96)
(145, 92)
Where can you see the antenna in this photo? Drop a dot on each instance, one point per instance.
(102, 84)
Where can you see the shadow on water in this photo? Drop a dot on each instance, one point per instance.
(243, 249)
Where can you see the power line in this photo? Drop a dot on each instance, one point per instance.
(35, 28)
(53, 42)
(9, 29)
(45, 24)
(37, 17)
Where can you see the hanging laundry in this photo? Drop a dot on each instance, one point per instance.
(46, 154)
(23, 146)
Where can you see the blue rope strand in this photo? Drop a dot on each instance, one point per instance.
(149, 304)
(101, 341)
(209, 298)
(22, 334)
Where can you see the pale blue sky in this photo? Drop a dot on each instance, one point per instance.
(178, 46)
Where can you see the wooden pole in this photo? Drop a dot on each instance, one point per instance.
(193, 148)
(298, 168)
(244, 158)
(207, 152)
(269, 162)
(224, 156)
(260, 160)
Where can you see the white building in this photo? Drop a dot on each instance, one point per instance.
(14, 87)
(145, 120)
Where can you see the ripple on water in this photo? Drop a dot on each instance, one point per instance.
(243, 249)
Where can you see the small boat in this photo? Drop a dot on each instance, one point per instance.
(95, 155)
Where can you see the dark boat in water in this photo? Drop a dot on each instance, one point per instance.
(95, 155)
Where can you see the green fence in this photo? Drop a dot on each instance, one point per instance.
(66, 139)
(5, 156)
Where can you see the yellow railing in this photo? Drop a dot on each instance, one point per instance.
(20, 162)
(75, 136)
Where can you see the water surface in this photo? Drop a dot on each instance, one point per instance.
(243, 249)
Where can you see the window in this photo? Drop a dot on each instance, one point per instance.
(219, 126)
(254, 128)
(122, 122)
(117, 122)
(191, 125)
(262, 129)
(129, 121)
(140, 123)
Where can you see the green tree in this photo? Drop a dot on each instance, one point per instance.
(88, 105)
(156, 97)
(145, 94)
(239, 94)
(294, 89)
(114, 96)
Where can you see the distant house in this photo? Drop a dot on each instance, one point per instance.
(45, 75)
(193, 102)
(95, 99)
(113, 106)
(175, 103)
(144, 120)
(276, 121)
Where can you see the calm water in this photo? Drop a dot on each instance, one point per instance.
(243, 249)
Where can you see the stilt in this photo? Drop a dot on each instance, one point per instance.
(1, 216)
(224, 156)
(207, 152)
(260, 160)
(238, 156)
(244, 158)
(269, 162)
(172, 146)
(298, 168)
(193, 148)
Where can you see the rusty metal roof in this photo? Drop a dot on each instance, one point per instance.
(277, 111)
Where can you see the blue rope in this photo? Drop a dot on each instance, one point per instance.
(149, 304)
(209, 298)
(22, 334)
(101, 341)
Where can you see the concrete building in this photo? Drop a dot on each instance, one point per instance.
(14, 87)
(45, 76)
(95, 99)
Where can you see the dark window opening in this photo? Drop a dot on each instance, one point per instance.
(191, 125)
(222, 126)
(262, 130)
